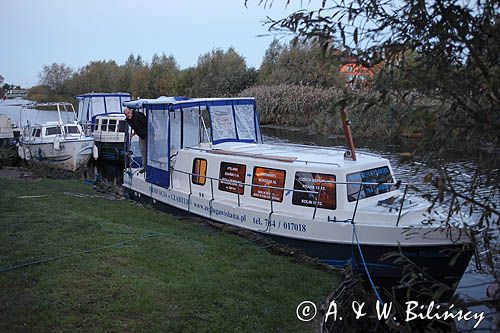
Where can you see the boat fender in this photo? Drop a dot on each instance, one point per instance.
(95, 152)
(21, 152)
(57, 143)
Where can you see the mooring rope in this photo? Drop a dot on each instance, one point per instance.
(355, 235)
(43, 261)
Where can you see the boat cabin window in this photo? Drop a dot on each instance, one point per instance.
(233, 122)
(95, 126)
(199, 171)
(112, 125)
(184, 128)
(326, 197)
(204, 125)
(104, 124)
(263, 177)
(36, 132)
(157, 140)
(230, 175)
(376, 175)
(175, 131)
(191, 127)
(122, 126)
(72, 130)
(53, 130)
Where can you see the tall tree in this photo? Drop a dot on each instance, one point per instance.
(128, 74)
(54, 76)
(2, 86)
(270, 61)
(163, 75)
(186, 81)
(220, 73)
(300, 64)
(455, 62)
(99, 76)
(456, 47)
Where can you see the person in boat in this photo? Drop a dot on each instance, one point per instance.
(139, 124)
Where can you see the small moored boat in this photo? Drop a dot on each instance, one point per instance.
(108, 131)
(101, 116)
(60, 144)
(207, 157)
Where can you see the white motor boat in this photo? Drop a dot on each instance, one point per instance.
(206, 157)
(60, 144)
(101, 116)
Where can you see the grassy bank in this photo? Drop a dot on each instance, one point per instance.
(150, 272)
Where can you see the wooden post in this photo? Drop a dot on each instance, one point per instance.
(350, 153)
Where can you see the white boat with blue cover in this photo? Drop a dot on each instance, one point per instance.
(60, 144)
(206, 157)
(101, 116)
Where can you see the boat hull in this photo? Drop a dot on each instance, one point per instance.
(435, 262)
(111, 151)
(434, 259)
(71, 155)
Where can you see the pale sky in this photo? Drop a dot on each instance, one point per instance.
(40, 32)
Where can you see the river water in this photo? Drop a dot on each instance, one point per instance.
(22, 116)
(473, 284)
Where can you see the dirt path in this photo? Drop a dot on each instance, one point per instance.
(16, 173)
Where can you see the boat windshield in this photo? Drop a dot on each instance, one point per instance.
(53, 130)
(376, 175)
(122, 126)
(36, 132)
(234, 122)
(72, 130)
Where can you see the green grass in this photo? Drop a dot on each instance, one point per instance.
(186, 277)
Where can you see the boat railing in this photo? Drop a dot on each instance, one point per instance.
(272, 190)
(327, 148)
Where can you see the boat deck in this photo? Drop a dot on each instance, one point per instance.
(290, 153)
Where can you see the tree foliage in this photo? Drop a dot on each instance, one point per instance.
(2, 88)
(455, 47)
(220, 73)
(97, 76)
(299, 64)
(163, 75)
(54, 76)
(444, 50)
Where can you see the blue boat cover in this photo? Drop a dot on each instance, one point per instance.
(140, 103)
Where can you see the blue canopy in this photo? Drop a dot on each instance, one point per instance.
(163, 100)
(175, 123)
(93, 104)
